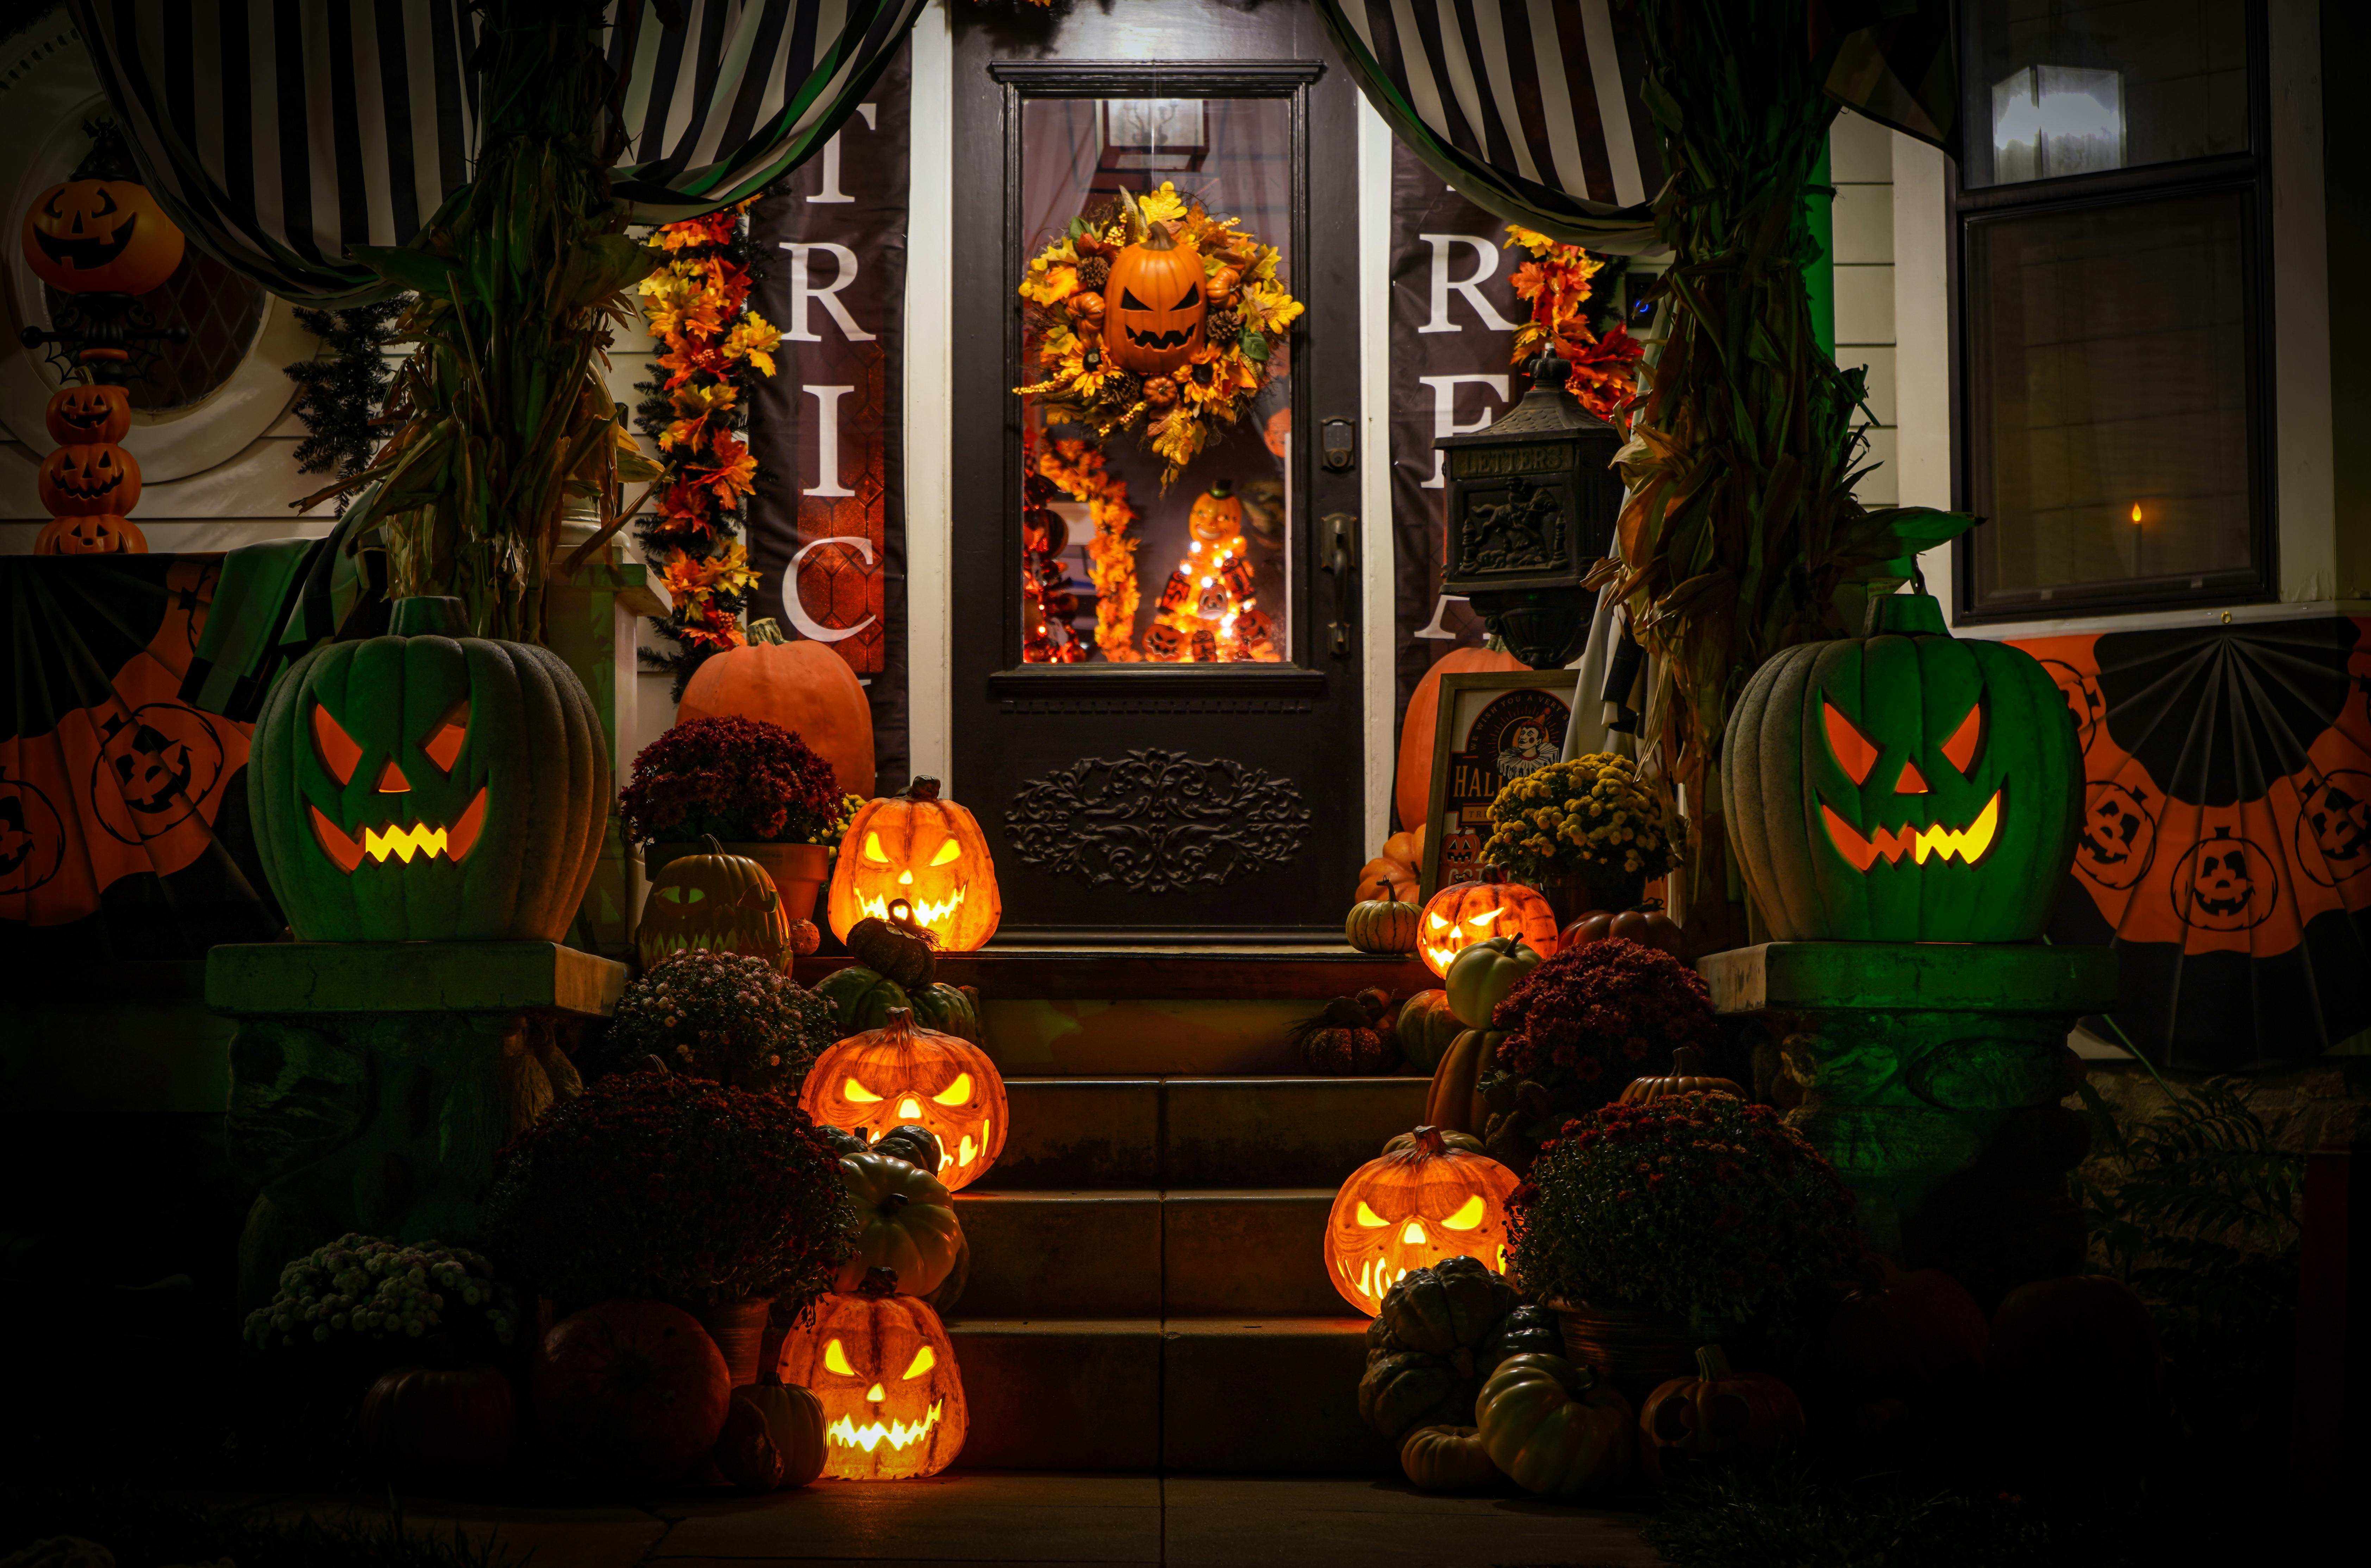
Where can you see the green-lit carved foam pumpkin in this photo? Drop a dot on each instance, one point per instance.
(425, 785)
(1904, 787)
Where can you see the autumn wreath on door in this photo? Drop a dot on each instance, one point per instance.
(1152, 316)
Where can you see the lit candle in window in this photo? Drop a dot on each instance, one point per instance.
(2136, 512)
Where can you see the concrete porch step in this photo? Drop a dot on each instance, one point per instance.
(1213, 1395)
(1143, 1253)
(1197, 1132)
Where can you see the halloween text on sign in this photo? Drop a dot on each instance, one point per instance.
(827, 525)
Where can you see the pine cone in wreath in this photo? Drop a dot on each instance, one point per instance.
(1095, 272)
(1223, 326)
(1125, 390)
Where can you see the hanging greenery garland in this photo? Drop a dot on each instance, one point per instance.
(338, 393)
(1155, 317)
(716, 351)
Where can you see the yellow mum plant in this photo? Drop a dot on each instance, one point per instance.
(1591, 813)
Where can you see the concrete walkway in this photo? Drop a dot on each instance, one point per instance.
(1001, 1517)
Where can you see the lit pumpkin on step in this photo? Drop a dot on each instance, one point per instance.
(427, 786)
(1904, 787)
(89, 236)
(1412, 1208)
(101, 534)
(1153, 305)
(79, 414)
(883, 1368)
(926, 850)
(723, 903)
(97, 479)
(871, 1082)
(1464, 913)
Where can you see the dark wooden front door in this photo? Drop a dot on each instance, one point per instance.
(1132, 799)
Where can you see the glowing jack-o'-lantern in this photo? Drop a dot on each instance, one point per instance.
(1154, 305)
(1903, 786)
(1217, 514)
(1430, 1196)
(1464, 913)
(429, 785)
(85, 235)
(78, 415)
(93, 480)
(898, 1075)
(883, 1368)
(926, 850)
(723, 903)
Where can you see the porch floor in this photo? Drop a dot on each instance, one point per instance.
(981, 1517)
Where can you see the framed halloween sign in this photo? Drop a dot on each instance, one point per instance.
(1495, 727)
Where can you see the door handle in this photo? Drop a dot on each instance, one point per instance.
(1339, 540)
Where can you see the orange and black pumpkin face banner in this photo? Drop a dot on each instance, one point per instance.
(2226, 844)
(122, 809)
(828, 524)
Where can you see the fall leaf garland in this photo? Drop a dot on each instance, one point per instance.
(716, 349)
(1556, 283)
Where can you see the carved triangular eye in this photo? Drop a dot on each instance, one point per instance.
(1853, 751)
(337, 749)
(1127, 300)
(444, 743)
(1960, 751)
(1193, 298)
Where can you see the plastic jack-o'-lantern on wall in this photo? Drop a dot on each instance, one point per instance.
(898, 1075)
(723, 903)
(428, 786)
(79, 415)
(1904, 787)
(1464, 913)
(1430, 1196)
(94, 479)
(884, 1370)
(100, 534)
(101, 236)
(927, 851)
(90, 482)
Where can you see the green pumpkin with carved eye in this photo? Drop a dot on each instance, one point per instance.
(723, 903)
(1904, 787)
(429, 785)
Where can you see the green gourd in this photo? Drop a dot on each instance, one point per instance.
(863, 999)
(429, 785)
(1905, 785)
(1427, 1028)
(947, 1009)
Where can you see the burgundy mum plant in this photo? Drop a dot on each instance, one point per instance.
(742, 780)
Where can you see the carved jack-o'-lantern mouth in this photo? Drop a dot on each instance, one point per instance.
(898, 1435)
(1858, 755)
(78, 247)
(341, 755)
(1415, 1242)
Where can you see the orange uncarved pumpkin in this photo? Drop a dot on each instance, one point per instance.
(924, 849)
(91, 480)
(1153, 307)
(804, 687)
(79, 414)
(1414, 780)
(898, 1075)
(883, 1368)
(101, 534)
(1464, 913)
(89, 235)
(630, 1391)
(1418, 1203)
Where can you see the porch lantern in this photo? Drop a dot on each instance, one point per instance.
(1533, 499)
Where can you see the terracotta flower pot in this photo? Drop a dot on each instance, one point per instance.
(739, 1329)
(1574, 893)
(798, 869)
(1633, 1349)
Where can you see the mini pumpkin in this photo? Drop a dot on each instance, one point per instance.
(1448, 1459)
(1382, 923)
(772, 1438)
(101, 535)
(1426, 1029)
(1153, 305)
(906, 1222)
(1464, 913)
(1719, 1416)
(80, 414)
(1555, 1429)
(1346, 1037)
(1687, 1075)
(896, 947)
(884, 1372)
(91, 235)
(723, 903)
(871, 1082)
(1412, 1208)
(926, 850)
(90, 479)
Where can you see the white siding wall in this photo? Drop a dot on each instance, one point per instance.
(1860, 161)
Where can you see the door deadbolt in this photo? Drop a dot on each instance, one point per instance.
(1337, 445)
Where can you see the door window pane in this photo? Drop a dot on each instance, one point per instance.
(1210, 556)
(2109, 403)
(2056, 87)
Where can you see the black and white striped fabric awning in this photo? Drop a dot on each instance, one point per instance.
(1527, 108)
(280, 133)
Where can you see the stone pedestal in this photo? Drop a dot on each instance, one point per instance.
(372, 1082)
(1932, 1074)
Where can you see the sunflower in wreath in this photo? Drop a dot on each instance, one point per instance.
(1158, 318)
